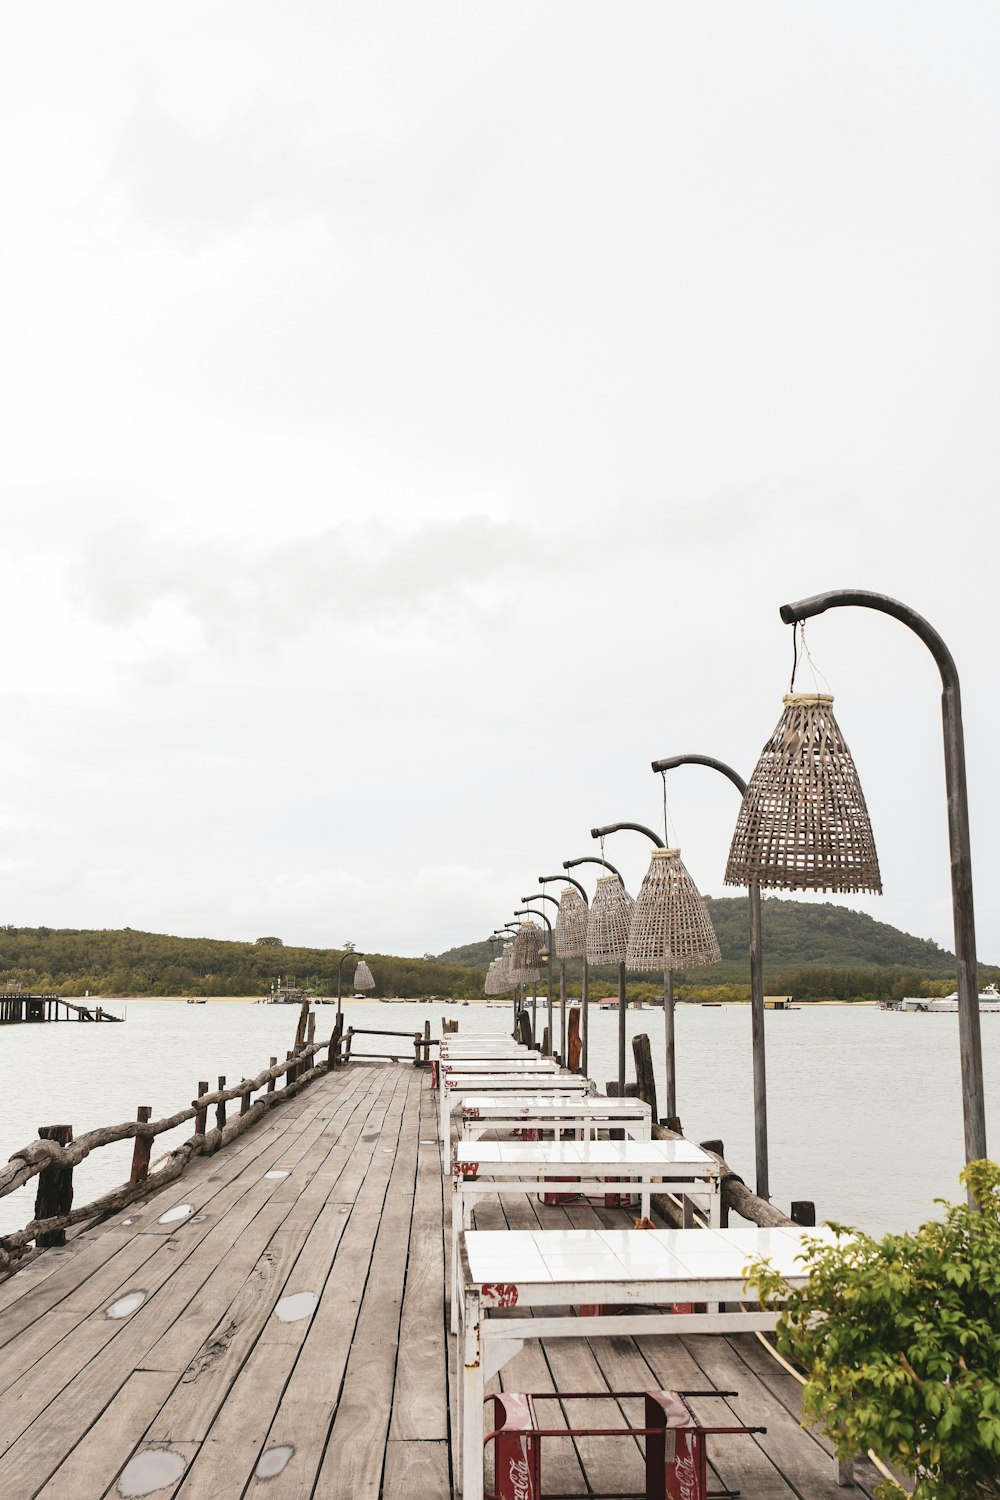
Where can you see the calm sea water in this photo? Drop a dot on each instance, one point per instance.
(864, 1106)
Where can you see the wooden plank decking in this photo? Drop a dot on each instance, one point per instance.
(351, 1400)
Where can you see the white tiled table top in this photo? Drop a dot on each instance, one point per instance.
(663, 1154)
(544, 1104)
(469, 1082)
(549, 1257)
(511, 1063)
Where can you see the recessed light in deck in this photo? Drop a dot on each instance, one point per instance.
(126, 1305)
(173, 1215)
(272, 1461)
(296, 1307)
(151, 1471)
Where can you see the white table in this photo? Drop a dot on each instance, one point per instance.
(528, 1063)
(585, 1115)
(454, 1086)
(563, 1268)
(485, 1168)
(451, 1046)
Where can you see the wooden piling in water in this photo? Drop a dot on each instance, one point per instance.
(54, 1194)
(142, 1148)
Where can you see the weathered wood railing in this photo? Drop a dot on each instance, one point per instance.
(55, 1154)
(735, 1193)
(421, 1044)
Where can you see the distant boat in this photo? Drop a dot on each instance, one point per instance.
(989, 1003)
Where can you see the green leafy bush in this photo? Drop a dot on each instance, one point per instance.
(900, 1339)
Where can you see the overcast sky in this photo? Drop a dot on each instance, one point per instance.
(413, 416)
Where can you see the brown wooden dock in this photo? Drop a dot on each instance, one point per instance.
(18, 1006)
(290, 1339)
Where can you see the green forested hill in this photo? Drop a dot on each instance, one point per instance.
(813, 950)
(126, 962)
(810, 949)
(796, 933)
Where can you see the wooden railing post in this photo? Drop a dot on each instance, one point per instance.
(272, 1063)
(645, 1081)
(333, 1056)
(244, 1101)
(54, 1194)
(142, 1148)
(347, 1043)
(220, 1108)
(427, 1044)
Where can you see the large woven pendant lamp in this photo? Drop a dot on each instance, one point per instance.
(526, 953)
(571, 924)
(608, 921)
(363, 977)
(491, 985)
(671, 928)
(505, 975)
(804, 823)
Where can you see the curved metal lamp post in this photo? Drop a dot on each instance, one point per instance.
(590, 859)
(585, 985)
(350, 953)
(669, 1043)
(970, 1042)
(541, 896)
(512, 929)
(756, 981)
(530, 911)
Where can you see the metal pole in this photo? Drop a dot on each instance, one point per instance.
(669, 1038)
(669, 1041)
(532, 912)
(541, 896)
(970, 1041)
(349, 953)
(570, 864)
(584, 986)
(756, 982)
(585, 1030)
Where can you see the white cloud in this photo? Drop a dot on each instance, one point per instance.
(414, 417)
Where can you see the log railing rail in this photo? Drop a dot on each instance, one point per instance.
(422, 1043)
(735, 1193)
(54, 1155)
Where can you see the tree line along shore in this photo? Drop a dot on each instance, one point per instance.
(814, 951)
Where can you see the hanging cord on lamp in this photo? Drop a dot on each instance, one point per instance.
(666, 815)
(800, 645)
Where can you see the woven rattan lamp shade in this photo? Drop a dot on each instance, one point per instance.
(571, 924)
(505, 980)
(804, 825)
(525, 954)
(608, 921)
(493, 985)
(671, 928)
(363, 977)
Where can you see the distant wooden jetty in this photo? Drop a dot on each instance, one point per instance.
(277, 1323)
(16, 1006)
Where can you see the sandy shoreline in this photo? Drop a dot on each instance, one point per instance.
(452, 1005)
